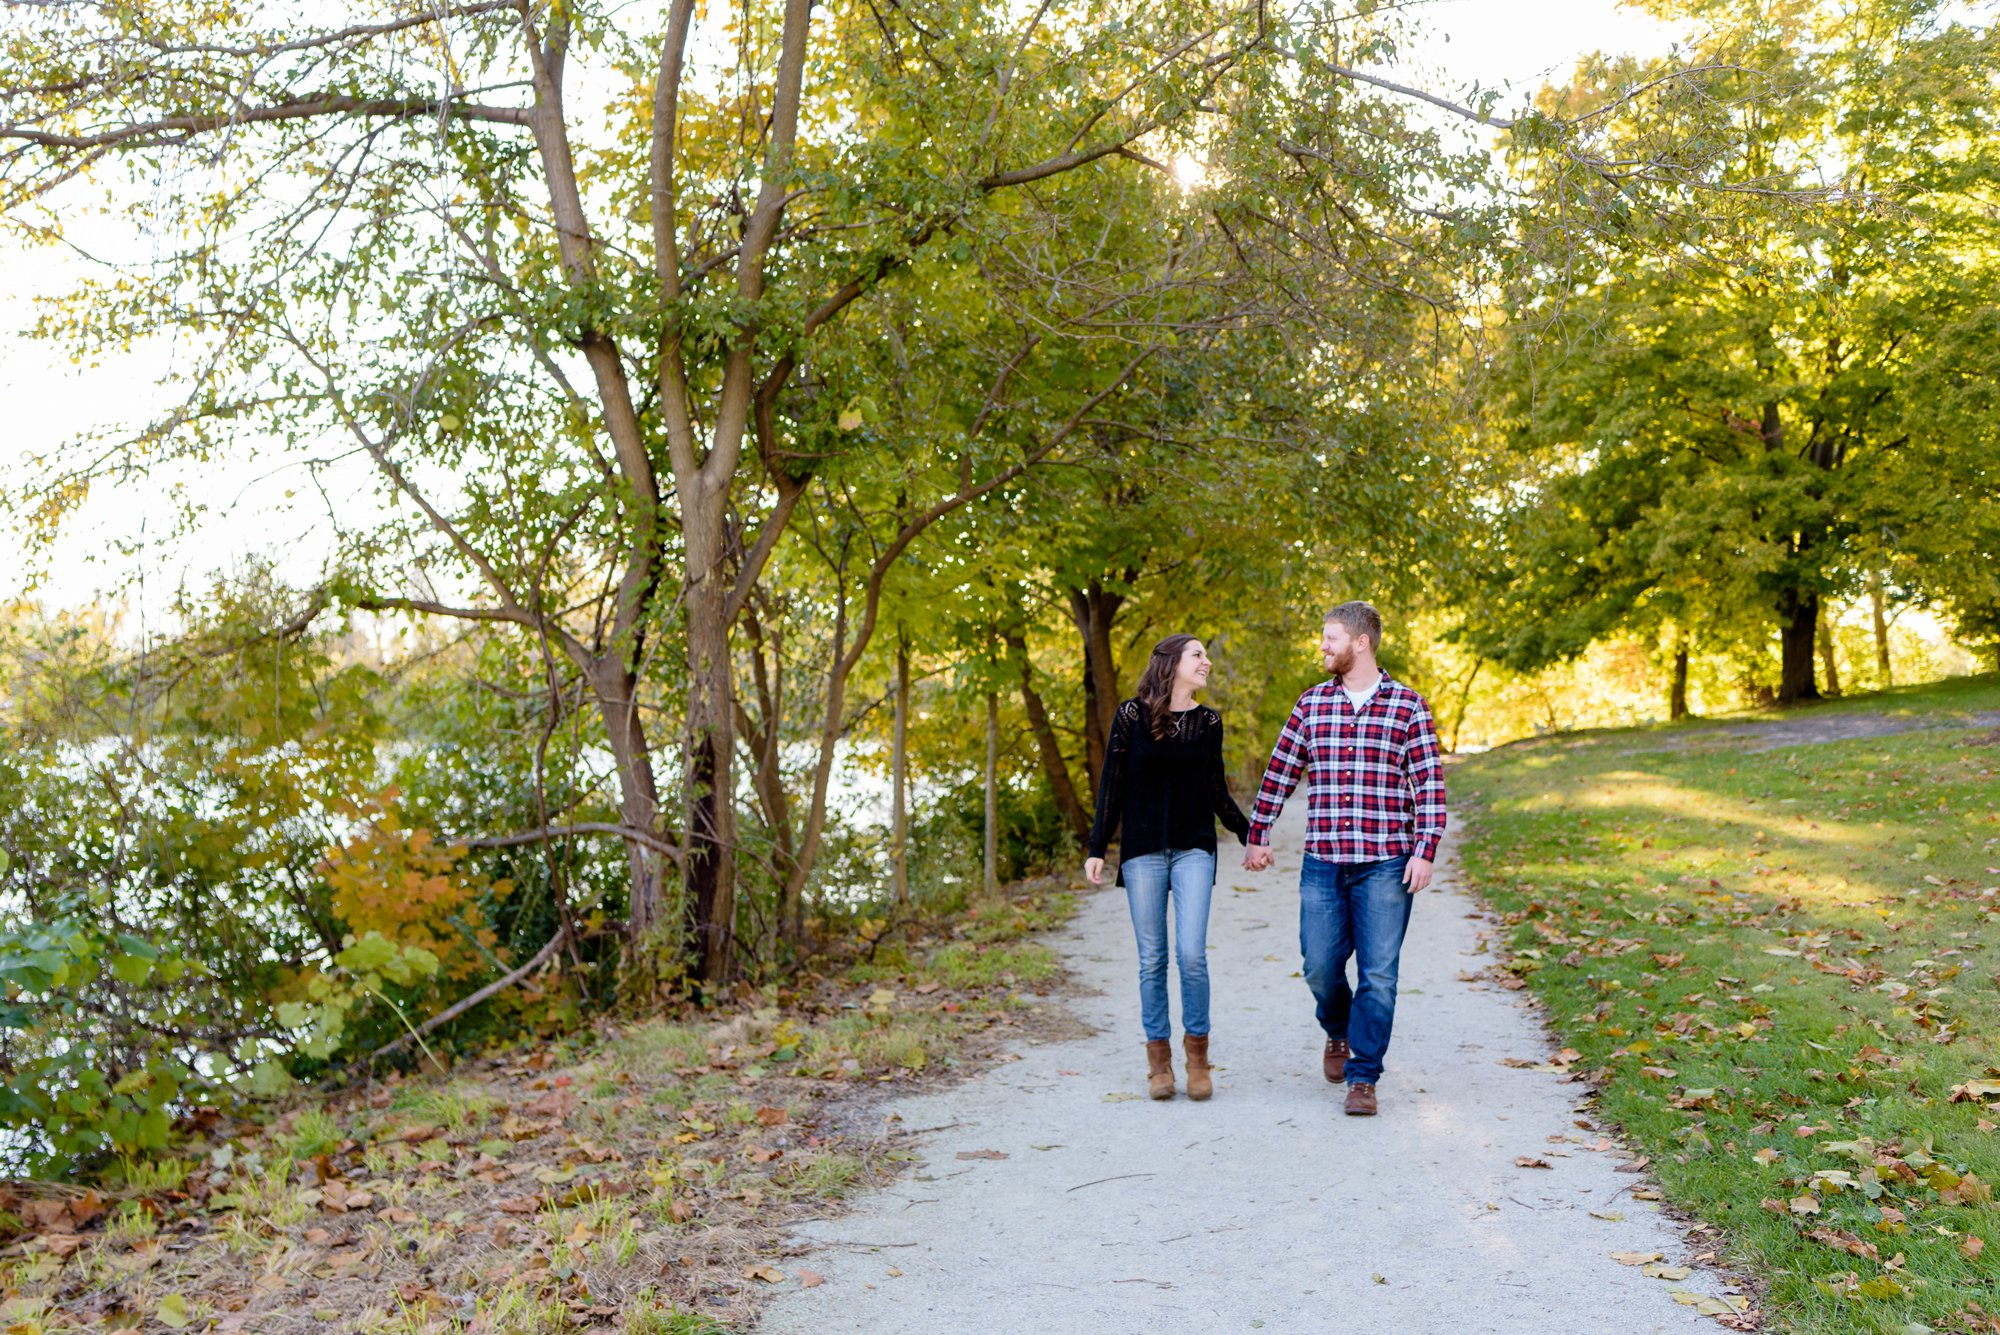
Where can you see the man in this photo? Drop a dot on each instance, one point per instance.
(1368, 750)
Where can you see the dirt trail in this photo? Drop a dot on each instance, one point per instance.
(1264, 1208)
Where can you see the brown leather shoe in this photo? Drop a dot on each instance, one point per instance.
(1361, 1099)
(1159, 1068)
(1334, 1063)
(1200, 1086)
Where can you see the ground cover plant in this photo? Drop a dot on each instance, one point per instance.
(639, 1176)
(1776, 966)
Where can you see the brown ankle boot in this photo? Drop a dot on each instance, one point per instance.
(1199, 1084)
(1160, 1068)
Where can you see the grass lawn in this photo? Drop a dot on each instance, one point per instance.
(1778, 967)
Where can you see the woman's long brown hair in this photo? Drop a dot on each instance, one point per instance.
(1156, 684)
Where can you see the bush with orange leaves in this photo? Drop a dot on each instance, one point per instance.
(412, 889)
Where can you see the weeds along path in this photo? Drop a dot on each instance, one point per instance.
(1061, 1200)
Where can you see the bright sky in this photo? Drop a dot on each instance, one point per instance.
(1484, 41)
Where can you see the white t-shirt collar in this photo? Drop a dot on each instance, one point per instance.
(1358, 700)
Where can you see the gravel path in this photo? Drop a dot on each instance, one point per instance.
(1264, 1207)
(1814, 729)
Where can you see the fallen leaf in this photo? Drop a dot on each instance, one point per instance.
(771, 1116)
(519, 1204)
(1121, 1096)
(1523, 1161)
(1658, 1072)
(1518, 1063)
(360, 1200)
(1646, 1194)
(1971, 1247)
(895, 1273)
(770, 1274)
(1804, 1205)
(172, 1311)
(319, 1237)
(759, 1154)
(1767, 1155)
(396, 1214)
(811, 1279)
(1673, 1272)
(981, 1154)
(62, 1246)
(1638, 1258)
(925, 989)
(557, 1103)
(1378, 1279)
(1610, 1216)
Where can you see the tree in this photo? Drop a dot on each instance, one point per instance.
(1741, 410)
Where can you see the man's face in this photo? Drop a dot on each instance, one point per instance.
(1336, 648)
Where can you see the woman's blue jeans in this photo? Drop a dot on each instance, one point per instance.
(1357, 909)
(1187, 877)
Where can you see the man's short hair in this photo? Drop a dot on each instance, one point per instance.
(1360, 619)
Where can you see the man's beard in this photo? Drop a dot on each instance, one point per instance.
(1342, 663)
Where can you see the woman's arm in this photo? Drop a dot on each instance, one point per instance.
(1111, 784)
(1226, 810)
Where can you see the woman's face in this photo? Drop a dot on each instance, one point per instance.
(1192, 671)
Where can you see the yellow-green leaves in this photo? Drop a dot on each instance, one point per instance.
(359, 972)
(374, 957)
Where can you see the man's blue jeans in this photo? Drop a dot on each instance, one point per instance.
(1357, 909)
(1187, 876)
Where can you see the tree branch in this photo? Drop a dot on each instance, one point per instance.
(172, 128)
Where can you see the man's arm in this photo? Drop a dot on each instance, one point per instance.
(1423, 766)
(1281, 777)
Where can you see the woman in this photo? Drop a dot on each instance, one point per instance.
(1163, 782)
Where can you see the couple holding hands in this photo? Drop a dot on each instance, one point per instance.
(1368, 751)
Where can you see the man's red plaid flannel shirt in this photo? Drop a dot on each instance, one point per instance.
(1374, 781)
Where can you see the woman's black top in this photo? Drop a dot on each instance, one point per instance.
(1167, 792)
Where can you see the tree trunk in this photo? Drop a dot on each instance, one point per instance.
(1881, 630)
(1464, 700)
(1093, 610)
(1053, 764)
(1828, 658)
(1677, 692)
(763, 734)
(711, 745)
(899, 770)
(992, 794)
(638, 794)
(1800, 610)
